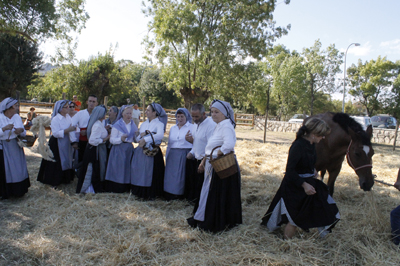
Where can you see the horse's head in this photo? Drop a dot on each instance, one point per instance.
(359, 156)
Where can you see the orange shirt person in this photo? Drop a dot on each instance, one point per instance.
(78, 104)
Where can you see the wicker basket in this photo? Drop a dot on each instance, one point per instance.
(225, 165)
(29, 141)
(155, 150)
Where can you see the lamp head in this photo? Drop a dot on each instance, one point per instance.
(357, 44)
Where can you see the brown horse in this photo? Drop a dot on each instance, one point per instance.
(347, 138)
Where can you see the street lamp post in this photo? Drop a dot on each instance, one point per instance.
(344, 78)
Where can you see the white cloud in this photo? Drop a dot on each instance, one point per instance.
(363, 50)
(391, 46)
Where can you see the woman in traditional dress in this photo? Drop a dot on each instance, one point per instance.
(113, 114)
(220, 206)
(14, 178)
(175, 159)
(147, 176)
(93, 171)
(118, 176)
(303, 200)
(60, 170)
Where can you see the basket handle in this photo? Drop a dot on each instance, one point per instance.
(151, 135)
(213, 152)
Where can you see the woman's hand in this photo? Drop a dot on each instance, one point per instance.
(123, 137)
(18, 131)
(143, 134)
(308, 189)
(107, 138)
(69, 129)
(8, 127)
(201, 168)
(219, 153)
(142, 143)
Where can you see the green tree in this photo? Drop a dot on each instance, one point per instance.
(199, 43)
(322, 67)
(371, 82)
(153, 88)
(40, 20)
(19, 61)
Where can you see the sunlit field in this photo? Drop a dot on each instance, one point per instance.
(59, 227)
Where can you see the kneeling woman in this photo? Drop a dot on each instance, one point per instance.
(93, 170)
(14, 178)
(118, 177)
(220, 206)
(60, 170)
(175, 159)
(147, 176)
(302, 200)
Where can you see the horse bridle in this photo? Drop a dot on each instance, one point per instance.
(351, 164)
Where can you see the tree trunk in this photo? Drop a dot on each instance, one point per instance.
(312, 98)
(266, 117)
(191, 96)
(395, 135)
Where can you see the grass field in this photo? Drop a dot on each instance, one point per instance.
(59, 227)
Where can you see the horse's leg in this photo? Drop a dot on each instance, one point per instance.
(323, 172)
(332, 178)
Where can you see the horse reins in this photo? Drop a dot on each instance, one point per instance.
(349, 160)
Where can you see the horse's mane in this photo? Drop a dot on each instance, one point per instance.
(346, 122)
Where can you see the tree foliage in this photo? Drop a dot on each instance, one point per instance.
(371, 82)
(153, 88)
(19, 61)
(40, 20)
(200, 43)
(99, 75)
(322, 67)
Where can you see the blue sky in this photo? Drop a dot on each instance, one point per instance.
(373, 24)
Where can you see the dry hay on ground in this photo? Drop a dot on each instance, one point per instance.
(58, 227)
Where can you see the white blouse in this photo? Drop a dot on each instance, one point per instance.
(224, 135)
(154, 126)
(201, 134)
(59, 123)
(176, 137)
(80, 120)
(116, 135)
(98, 133)
(16, 121)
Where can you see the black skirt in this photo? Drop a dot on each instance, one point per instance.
(193, 181)
(306, 211)
(8, 190)
(90, 156)
(224, 207)
(51, 173)
(156, 190)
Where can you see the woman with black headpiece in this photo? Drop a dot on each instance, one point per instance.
(118, 176)
(302, 200)
(147, 175)
(93, 171)
(220, 206)
(59, 171)
(14, 178)
(175, 159)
